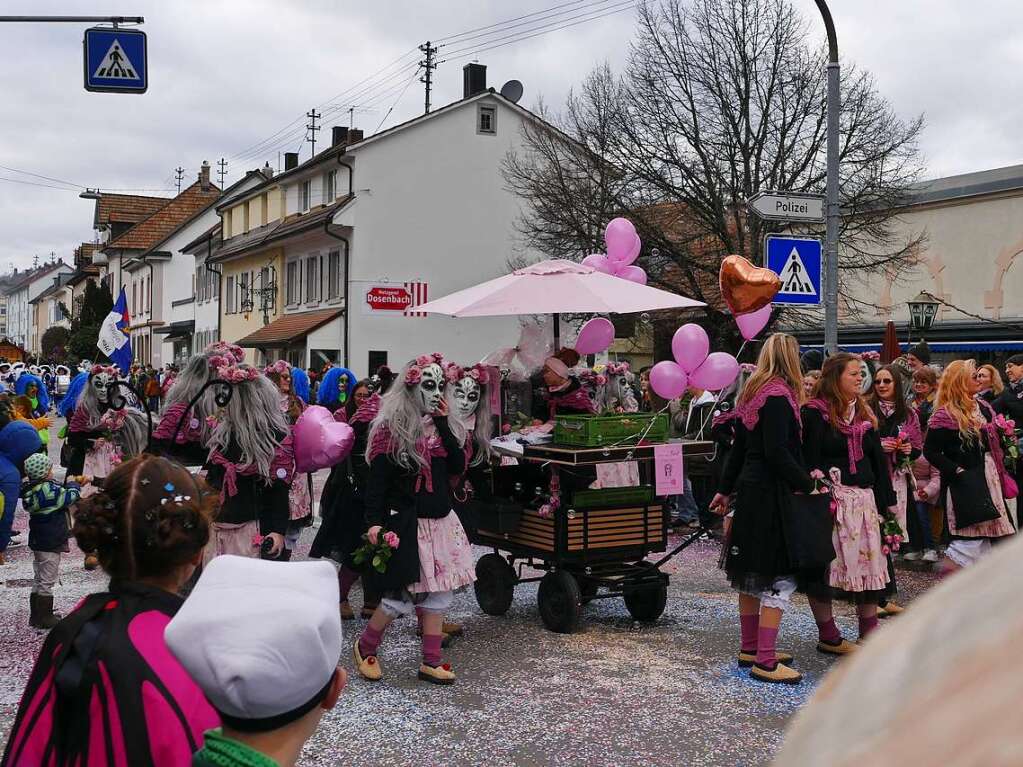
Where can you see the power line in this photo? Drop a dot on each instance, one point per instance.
(221, 171)
(403, 90)
(545, 16)
(179, 173)
(45, 178)
(428, 65)
(36, 183)
(312, 127)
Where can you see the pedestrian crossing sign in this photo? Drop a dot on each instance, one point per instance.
(797, 262)
(115, 60)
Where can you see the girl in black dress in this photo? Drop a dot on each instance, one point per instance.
(763, 470)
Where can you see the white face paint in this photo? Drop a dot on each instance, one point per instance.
(624, 387)
(100, 381)
(430, 388)
(868, 380)
(466, 397)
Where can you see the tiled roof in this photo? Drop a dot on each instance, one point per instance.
(126, 208)
(153, 230)
(288, 329)
(31, 276)
(85, 252)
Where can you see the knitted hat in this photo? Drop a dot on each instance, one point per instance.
(37, 466)
(922, 352)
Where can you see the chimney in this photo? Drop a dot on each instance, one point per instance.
(338, 135)
(354, 135)
(290, 160)
(474, 79)
(204, 176)
(267, 170)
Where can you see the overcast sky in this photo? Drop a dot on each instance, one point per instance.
(228, 74)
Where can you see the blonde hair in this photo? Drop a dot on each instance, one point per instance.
(996, 378)
(955, 395)
(779, 358)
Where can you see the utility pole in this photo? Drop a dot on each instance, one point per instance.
(313, 116)
(179, 173)
(221, 170)
(428, 66)
(832, 216)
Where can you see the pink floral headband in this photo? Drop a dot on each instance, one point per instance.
(280, 367)
(414, 374)
(109, 369)
(593, 377)
(618, 368)
(237, 374)
(222, 348)
(871, 355)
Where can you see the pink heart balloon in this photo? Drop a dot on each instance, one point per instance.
(689, 346)
(320, 441)
(751, 323)
(619, 237)
(668, 380)
(599, 262)
(632, 273)
(595, 336)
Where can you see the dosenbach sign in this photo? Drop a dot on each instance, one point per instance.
(387, 299)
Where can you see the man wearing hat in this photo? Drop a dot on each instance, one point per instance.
(262, 640)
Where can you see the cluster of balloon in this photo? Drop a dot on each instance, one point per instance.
(693, 365)
(748, 291)
(595, 336)
(623, 246)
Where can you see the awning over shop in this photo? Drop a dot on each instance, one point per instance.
(289, 329)
(181, 329)
(936, 346)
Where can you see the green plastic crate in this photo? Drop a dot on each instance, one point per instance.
(641, 495)
(600, 430)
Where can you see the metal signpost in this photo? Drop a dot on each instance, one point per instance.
(797, 262)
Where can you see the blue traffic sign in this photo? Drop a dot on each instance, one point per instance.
(797, 262)
(115, 60)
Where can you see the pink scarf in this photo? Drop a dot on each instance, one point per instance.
(576, 400)
(428, 447)
(282, 467)
(853, 431)
(368, 410)
(80, 420)
(941, 419)
(169, 424)
(749, 411)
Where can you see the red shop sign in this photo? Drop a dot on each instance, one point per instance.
(388, 299)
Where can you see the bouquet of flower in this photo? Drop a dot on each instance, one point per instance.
(1010, 442)
(902, 460)
(377, 554)
(891, 533)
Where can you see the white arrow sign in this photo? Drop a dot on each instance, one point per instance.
(783, 206)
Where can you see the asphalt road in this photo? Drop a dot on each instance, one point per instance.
(614, 693)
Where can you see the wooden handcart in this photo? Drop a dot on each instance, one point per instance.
(593, 546)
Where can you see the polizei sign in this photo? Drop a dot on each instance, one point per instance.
(784, 206)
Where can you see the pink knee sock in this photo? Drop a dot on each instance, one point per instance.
(828, 632)
(419, 617)
(867, 625)
(766, 638)
(431, 649)
(345, 579)
(370, 641)
(748, 625)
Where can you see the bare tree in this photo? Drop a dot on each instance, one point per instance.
(720, 99)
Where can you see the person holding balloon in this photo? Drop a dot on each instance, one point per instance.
(764, 469)
(841, 440)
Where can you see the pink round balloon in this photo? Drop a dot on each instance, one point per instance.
(619, 236)
(689, 346)
(595, 336)
(630, 256)
(716, 372)
(751, 323)
(632, 273)
(599, 262)
(668, 380)
(320, 442)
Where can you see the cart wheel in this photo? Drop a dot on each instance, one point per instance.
(588, 589)
(647, 603)
(495, 584)
(560, 602)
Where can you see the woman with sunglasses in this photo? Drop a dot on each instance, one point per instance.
(902, 443)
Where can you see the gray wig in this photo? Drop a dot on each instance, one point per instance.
(482, 431)
(90, 403)
(401, 416)
(613, 394)
(133, 435)
(254, 421)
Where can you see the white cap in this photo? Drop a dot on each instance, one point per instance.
(261, 639)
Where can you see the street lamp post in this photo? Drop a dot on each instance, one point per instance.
(922, 311)
(831, 234)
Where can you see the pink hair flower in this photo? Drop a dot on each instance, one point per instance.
(423, 360)
(453, 373)
(412, 376)
(391, 539)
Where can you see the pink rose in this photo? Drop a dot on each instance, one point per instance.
(423, 360)
(544, 511)
(885, 550)
(413, 376)
(506, 429)
(212, 422)
(391, 539)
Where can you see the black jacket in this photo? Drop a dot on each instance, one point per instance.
(255, 499)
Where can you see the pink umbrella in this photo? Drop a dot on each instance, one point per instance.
(556, 287)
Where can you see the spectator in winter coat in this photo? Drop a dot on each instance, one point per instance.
(18, 441)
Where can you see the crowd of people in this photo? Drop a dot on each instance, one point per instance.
(824, 477)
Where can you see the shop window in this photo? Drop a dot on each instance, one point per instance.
(376, 359)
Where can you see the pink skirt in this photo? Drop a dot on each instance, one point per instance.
(298, 498)
(899, 483)
(859, 563)
(445, 556)
(995, 528)
(102, 459)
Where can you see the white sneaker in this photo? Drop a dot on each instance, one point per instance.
(15, 543)
(930, 556)
(912, 556)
